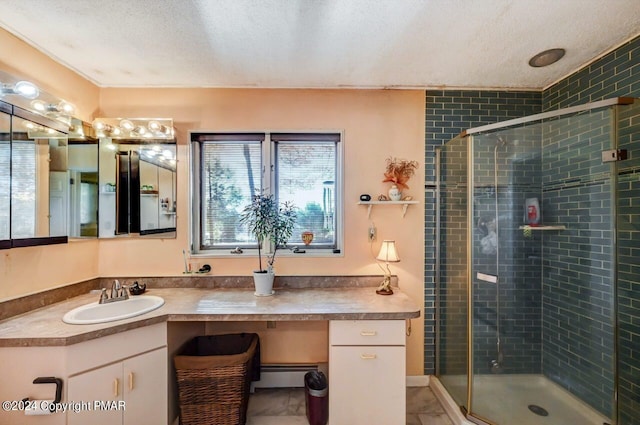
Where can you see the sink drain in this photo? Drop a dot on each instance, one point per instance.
(540, 411)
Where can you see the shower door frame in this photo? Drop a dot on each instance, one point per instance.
(469, 133)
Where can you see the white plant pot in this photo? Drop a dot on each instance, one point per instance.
(263, 283)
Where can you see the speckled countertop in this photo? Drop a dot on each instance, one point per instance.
(44, 326)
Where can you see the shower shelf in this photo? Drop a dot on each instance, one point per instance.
(405, 205)
(558, 227)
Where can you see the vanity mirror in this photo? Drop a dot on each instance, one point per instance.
(39, 192)
(137, 178)
(34, 164)
(83, 181)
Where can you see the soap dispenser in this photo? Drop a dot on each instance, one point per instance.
(532, 212)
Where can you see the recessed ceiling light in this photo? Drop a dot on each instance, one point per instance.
(546, 58)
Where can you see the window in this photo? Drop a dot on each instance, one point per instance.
(228, 168)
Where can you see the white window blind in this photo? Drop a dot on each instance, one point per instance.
(230, 175)
(306, 176)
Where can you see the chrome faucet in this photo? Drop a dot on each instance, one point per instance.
(115, 289)
(118, 293)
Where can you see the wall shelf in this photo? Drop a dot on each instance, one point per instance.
(558, 227)
(403, 204)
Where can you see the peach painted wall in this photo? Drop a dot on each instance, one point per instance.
(27, 270)
(376, 124)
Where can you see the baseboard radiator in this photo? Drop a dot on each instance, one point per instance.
(286, 375)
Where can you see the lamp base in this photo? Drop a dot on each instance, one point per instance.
(385, 286)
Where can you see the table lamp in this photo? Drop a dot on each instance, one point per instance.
(388, 254)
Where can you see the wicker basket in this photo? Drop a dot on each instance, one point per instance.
(214, 376)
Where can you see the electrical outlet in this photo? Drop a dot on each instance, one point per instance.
(372, 232)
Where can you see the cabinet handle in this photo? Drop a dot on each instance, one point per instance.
(116, 385)
(130, 381)
(368, 333)
(368, 356)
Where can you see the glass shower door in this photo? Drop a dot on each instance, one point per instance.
(542, 296)
(452, 341)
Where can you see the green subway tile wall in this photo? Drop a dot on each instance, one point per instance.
(616, 74)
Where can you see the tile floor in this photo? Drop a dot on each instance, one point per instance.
(285, 406)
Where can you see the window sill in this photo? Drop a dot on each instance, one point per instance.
(252, 253)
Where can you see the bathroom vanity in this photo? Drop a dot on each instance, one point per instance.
(127, 364)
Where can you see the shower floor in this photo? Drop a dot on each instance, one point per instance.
(504, 399)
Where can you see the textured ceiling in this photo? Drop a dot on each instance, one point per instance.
(320, 43)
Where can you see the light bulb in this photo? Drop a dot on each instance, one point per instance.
(115, 131)
(98, 125)
(65, 107)
(126, 125)
(156, 127)
(26, 89)
(140, 130)
(39, 105)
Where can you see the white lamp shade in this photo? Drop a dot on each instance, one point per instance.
(388, 252)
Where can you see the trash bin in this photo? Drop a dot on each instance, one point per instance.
(316, 398)
(214, 375)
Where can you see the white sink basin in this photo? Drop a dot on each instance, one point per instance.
(100, 313)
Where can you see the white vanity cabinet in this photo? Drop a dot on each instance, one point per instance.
(122, 379)
(367, 372)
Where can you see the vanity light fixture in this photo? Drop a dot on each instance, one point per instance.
(388, 254)
(26, 95)
(135, 128)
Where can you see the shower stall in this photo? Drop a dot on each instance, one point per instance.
(537, 229)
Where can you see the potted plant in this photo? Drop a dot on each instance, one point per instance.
(268, 220)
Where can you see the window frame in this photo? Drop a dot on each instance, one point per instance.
(268, 180)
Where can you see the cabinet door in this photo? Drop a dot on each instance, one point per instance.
(145, 392)
(367, 385)
(102, 386)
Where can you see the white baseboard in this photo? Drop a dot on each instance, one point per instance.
(285, 376)
(418, 381)
(292, 376)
